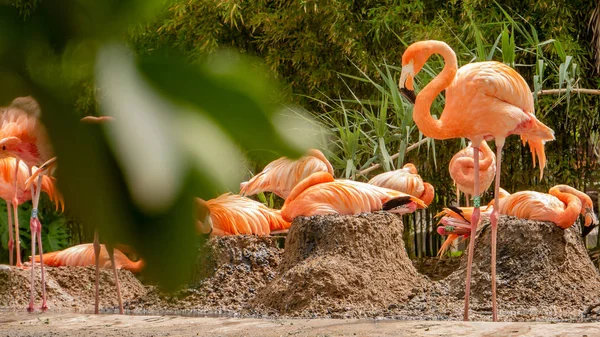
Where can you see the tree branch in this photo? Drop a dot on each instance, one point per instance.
(394, 156)
(563, 91)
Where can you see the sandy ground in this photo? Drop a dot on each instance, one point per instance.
(12, 324)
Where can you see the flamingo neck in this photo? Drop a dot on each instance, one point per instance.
(429, 126)
(311, 180)
(567, 195)
(488, 158)
(585, 199)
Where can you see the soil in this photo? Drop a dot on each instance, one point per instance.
(67, 288)
(351, 267)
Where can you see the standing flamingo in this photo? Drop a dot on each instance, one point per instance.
(232, 214)
(561, 205)
(7, 192)
(320, 193)
(405, 180)
(484, 100)
(85, 255)
(462, 166)
(23, 136)
(281, 175)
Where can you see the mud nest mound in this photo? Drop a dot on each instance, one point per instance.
(229, 273)
(69, 288)
(342, 266)
(542, 270)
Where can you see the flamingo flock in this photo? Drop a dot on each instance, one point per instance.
(484, 101)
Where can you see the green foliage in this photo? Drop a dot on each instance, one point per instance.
(180, 128)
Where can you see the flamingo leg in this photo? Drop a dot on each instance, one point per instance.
(494, 223)
(11, 242)
(111, 255)
(97, 261)
(474, 224)
(36, 233)
(15, 205)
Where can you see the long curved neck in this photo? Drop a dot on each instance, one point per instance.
(572, 198)
(488, 157)
(311, 180)
(584, 198)
(429, 126)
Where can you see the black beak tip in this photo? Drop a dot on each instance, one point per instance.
(409, 95)
(396, 202)
(587, 230)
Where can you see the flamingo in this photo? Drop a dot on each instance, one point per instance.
(406, 180)
(484, 101)
(85, 255)
(7, 193)
(462, 165)
(561, 205)
(232, 214)
(281, 175)
(23, 136)
(320, 193)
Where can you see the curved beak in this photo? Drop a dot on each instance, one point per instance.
(406, 83)
(591, 221)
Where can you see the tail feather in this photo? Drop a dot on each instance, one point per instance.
(537, 136)
(50, 259)
(446, 245)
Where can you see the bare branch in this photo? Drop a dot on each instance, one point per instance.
(564, 91)
(394, 156)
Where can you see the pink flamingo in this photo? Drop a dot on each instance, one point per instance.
(462, 168)
(484, 101)
(23, 136)
(406, 180)
(7, 193)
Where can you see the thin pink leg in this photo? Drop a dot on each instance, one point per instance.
(97, 261)
(111, 255)
(474, 224)
(11, 241)
(33, 224)
(36, 232)
(15, 205)
(39, 235)
(494, 222)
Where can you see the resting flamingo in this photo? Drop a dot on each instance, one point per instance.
(320, 193)
(484, 101)
(24, 137)
(85, 255)
(406, 180)
(7, 192)
(281, 175)
(461, 170)
(561, 205)
(232, 214)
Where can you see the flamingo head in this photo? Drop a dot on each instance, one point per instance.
(589, 215)
(400, 205)
(8, 147)
(452, 225)
(204, 223)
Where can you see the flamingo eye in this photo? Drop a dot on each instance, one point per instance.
(3, 147)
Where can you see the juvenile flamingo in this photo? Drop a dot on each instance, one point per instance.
(484, 101)
(23, 136)
(232, 214)
(462, 168)
(281, 175)
(84, 255)
(561, 205)
(320, 193)
(7, 192)
(406, 180)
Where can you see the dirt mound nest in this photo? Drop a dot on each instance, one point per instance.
(540, 267)
(67, 288)
(342, 266)
(229, 273)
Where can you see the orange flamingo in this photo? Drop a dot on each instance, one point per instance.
(232, 214)
(320, 193)
(23, 136)
(7, 192)
(462, 166)
(281, 175)
(561, 205)
(484, 100)
(84, 255)
(406, 180)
